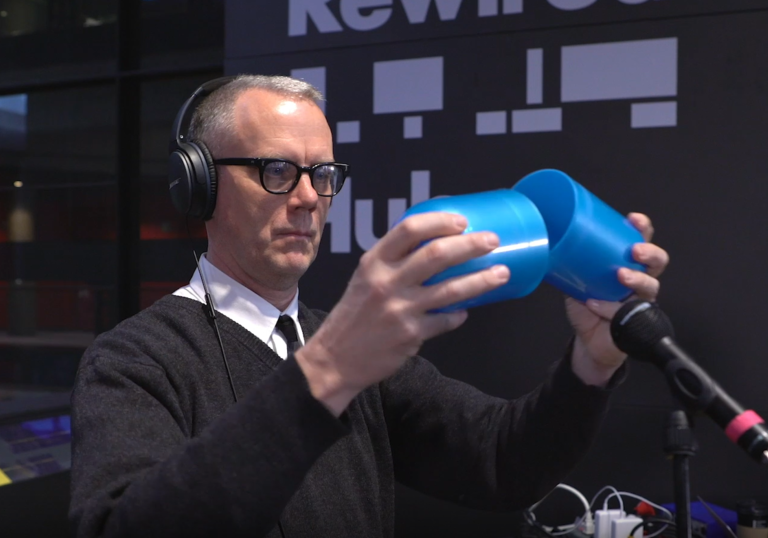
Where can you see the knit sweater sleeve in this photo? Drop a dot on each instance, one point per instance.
(137, 471)
(452, 441)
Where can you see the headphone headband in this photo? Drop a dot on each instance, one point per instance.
(187, 110)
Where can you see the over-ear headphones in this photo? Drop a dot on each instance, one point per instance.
(191, 172)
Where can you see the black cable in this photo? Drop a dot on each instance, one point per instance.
(634, 529)
(669, 523)
(211, 311)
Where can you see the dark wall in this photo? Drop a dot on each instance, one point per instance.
(693, 158)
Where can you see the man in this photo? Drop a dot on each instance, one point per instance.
(317, 436)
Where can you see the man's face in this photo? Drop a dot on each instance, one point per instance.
(270, 239)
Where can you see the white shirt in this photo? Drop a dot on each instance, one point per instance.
(243, 306)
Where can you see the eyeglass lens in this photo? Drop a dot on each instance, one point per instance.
(279, 176)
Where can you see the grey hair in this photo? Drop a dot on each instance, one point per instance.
(215, 116)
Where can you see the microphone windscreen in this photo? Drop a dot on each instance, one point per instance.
(638, 326)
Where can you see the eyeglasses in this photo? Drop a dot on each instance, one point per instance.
(279, 176)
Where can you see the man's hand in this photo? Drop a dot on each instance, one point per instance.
(384, 315)
(595, 357)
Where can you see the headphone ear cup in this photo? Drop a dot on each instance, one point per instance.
(212, 183)
(193, 183)
(181, 179)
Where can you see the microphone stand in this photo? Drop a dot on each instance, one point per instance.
(680, 445)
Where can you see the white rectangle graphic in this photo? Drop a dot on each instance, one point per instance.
(347, 132)
(491, 123)
(413, 85)
(619, 70)
(662, 114)
(487, 8)
(412, 127)
(419, 186)
(537, 120)
(512, 7)
(534, 94)
(316, 77)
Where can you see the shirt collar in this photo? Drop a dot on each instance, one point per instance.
(239, 303)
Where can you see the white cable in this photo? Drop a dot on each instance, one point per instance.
(582, 519)
(658, 532)
(563, 529)
(605, 506)
(628, 494)
(575, 492)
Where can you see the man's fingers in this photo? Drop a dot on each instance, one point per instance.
(604, 309)
(652, 256)
(444, 252)
(413, 231)
(645, 286)
(643, 225)
(464, 287)
(436, 324)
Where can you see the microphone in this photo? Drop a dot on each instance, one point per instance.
(644, 332)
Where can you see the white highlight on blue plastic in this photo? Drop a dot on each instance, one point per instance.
(412, 127)
(619, 70)
(535, 77)
(347, 132)
(491, 123)
(660, 114)
(520, 246)
(413, 85)
(537, 120)
(316, 77)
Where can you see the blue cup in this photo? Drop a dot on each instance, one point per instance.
(588, 240)
(523, 242)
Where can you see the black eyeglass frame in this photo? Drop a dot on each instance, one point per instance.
(261, 163)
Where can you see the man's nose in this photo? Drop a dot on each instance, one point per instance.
(304, 191)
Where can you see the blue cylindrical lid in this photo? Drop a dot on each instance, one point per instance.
(589, 240)
(523, 242)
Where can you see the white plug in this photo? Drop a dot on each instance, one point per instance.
(588, 526)
(603, 519)
(620, 528)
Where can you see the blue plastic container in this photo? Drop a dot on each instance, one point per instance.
(588, 240)
(523, 242)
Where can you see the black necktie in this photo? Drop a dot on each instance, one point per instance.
(286, 326)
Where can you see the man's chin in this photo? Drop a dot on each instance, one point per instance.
(294, 265)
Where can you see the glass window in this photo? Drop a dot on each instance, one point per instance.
(46, 39)
(57, 234)
(167, 237)
(182, 33)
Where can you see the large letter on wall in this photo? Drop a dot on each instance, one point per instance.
(340, 219)
(571, 5)
(416, 10)
(299, 11)
(350, 12)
